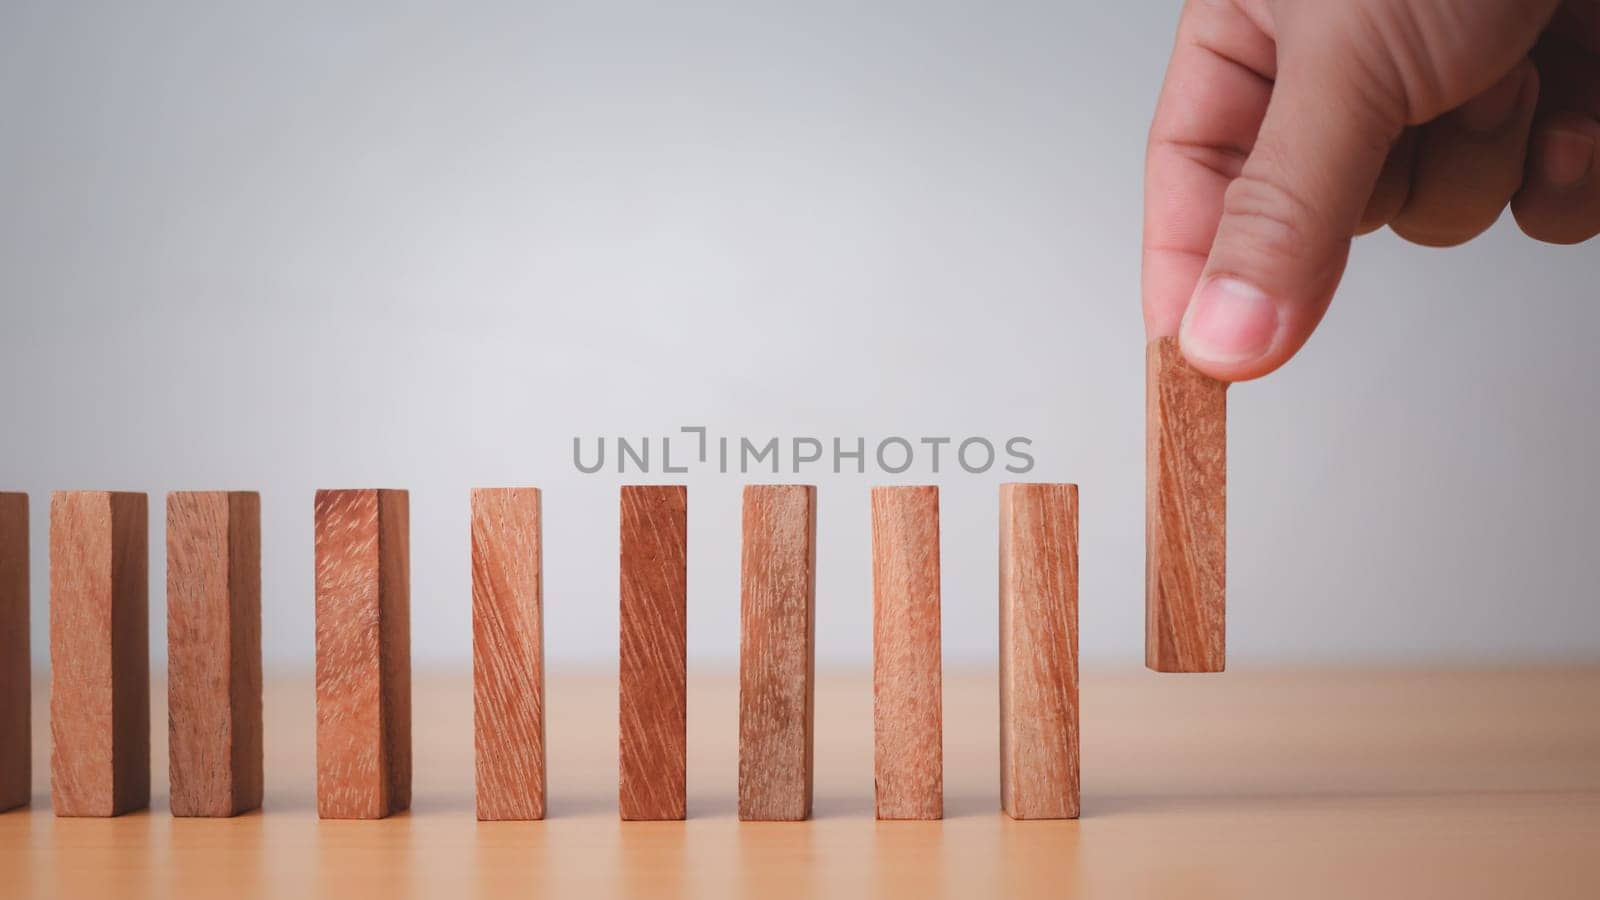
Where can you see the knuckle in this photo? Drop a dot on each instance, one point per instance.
(1269, 218)
(1430, 56)
(1390, 49)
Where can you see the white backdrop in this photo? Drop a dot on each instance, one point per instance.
(424, 246)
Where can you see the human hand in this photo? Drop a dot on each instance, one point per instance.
(1287, 127)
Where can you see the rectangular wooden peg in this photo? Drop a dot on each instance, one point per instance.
(363, 576)
(214, 652)
(99, 653)
(1186, 478)
(1039, 651)
(653, 686)
(508, 653)
(16, 728)
(906, 663)
(777, 651)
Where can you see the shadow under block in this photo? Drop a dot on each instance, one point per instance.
(99, 653)
(508, 653)
(908, 732)
(1186, 478)
(777, 644)
(16, 729)
(214, 652)
(363, 562)
(653, 697)
(1039, 651)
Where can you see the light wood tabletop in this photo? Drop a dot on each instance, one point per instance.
(1269, 784)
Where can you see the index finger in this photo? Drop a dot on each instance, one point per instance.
(1211, 106)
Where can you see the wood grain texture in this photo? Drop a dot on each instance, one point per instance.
(907, 693)
(16, 728)
(1186, 499)
(777, 652)
(653, 686)
(1297, 784)
(99, 653)
(508, 653)
(214, 652)
(1039, 651)
(363, 561)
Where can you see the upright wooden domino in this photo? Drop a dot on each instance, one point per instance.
(508, 653)
(1039, 651)
(363, 562)
(906, 687)
(653, 687)
(16, 730)
(1186, 477)
(214, 652)
(99, 653)
(777, 649)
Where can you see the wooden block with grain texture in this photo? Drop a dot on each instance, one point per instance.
(777, 652)
(16, 729)
(653, 690)
(1186, 483)
(908, 733)
(363, 563)
(508, 653)
(214, 652)
(99, 653)
(1039, 651)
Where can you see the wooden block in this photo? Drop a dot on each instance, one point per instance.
(777, 644)
(654, 620)
(214, 652)
(1186, 500)
(508, 653)
(906, 687)
(363, 653)
(1039, 651)
(99, 653)
(16, 729)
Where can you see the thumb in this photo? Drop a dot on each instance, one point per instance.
(1288, 219)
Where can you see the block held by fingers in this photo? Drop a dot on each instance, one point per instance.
(1185, 513)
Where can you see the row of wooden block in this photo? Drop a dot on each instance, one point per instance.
(99, 699)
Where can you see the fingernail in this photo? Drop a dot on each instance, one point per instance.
(1228, 322)
(1565, 157)
(1493, 109)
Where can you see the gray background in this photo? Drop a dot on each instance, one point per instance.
(286, 246)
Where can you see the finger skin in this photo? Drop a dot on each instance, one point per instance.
(1288, 219)
(1215, 94)
(1552, 206)
(1285, 127)
(1560, 197)
(1469, 163)
(1394, 185)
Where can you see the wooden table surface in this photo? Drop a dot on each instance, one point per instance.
(1269, 784)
